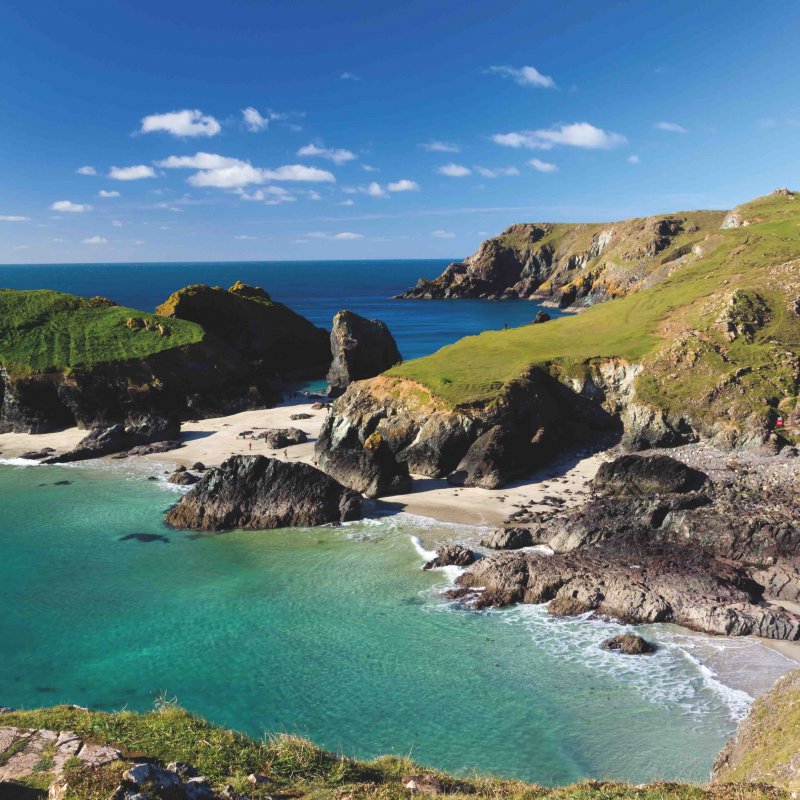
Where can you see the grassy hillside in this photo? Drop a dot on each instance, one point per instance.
(295, 768)
(45, 330)
(673, 327)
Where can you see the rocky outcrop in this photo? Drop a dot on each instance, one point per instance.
(280, 438)
(142, 433)
(568, 264)
(629, 644)
(765, 746)
(451, 555)
(646, 475)
(258, 493)
(508, 539)
(361, 348)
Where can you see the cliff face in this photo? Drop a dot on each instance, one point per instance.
(575, 264)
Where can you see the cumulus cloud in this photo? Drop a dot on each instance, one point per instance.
(543, 166)
(241, 173)
(347, 202)
(87, 170)
(70, 207)
(634, 159)
(369, 168)
(524, 76)
(13, 218)
(497, 172)
(578, 134)
(198, 161)
(106, 193)
(188, 122)
(403, 185)
(246, 238)
(348, 236)
(253, 120)
(453, 170)
(443, 234)
(375, 190)
(437, 146)
(95, 240)
(671, 127)
(337, 155)
(134, 173)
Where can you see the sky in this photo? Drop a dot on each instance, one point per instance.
(263, 130)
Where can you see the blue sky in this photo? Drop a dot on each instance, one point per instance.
(305, 130)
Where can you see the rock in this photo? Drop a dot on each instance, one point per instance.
(138, 431)
(143, 537)
(541, 317)
(280, 438)
(149, 449)
(508, 539)
(38, 455)
(645, 475)
(301, 416)
(451, 555)
(151, 776)
(369, 467)
(492, 460)
(629, 644)
(199, 466)
(257, 779)
(361, 348)
(424, 784)
(183, 478)
(256, 492)
(566, 606)
(764, 748)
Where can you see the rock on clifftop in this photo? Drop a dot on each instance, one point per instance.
(256, 492)
(361, 348)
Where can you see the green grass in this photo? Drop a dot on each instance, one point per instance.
(42, 330)
(639, 326)
(296, 768)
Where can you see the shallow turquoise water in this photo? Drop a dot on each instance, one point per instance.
(336, 634)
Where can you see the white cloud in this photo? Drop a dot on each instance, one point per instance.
(313, 195)
(70, 207)
(95, 240)
(86, 171)
(525, 76)
(13, 218)
(60, 241)
(578, 134)
(105, 193)
(338, 156)
(348, 76)
(436, 146)
(634, 159)
(244, 174)
(199, 161)
(443, 234)
(672, 127)
(246, 238)
(375, 190)
(134, 173)
(543, 166)
(253, 120)
(369, 168)
(271, 195)
(188, 122)
(116, 223)
(21, 246)
(497, 172)
(403, 185)
(348, 236)
(347, 202)
(454, 170)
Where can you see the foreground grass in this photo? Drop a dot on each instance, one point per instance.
(294, 767)
(44, 330)
(643, 326)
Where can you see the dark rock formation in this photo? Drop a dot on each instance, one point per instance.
(279, 438)
(139, 432)
(361, 348)
(257, 492)
(629, 644)
(368, 466)
(454, 555)
(508, 539)
(541, 317)
(566, 606)
(492, 460)
(182, 477)
(646, 475)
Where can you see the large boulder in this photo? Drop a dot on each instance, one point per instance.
(508, 539)
(492, 460)
(765, 746)
(280, 438)
(629, 644)
(646, 475)
(139, 432)
(361, 348)
(257, 492)
(451, 555)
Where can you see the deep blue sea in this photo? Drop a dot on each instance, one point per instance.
(316, 289)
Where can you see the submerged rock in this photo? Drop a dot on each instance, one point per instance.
(629, 644)
(451, 555)
(257, 492)
(361, 348)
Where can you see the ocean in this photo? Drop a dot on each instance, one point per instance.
(333, 633)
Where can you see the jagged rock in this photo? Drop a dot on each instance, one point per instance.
(302, 415)
(566, 606)
(541, 317)
(38, 455)
(182, 478)
(451, 555)
(508, 539)
(258, 492)
(149, 449)
(361, 348)
(744, 314)
(492, 460)
(369, 467)
(139, 431)
(280, 438)
(629, 644)
(646, 475)
(424, 784)
(199, 466)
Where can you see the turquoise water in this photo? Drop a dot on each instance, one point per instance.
(316, 289)
(337, 634)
